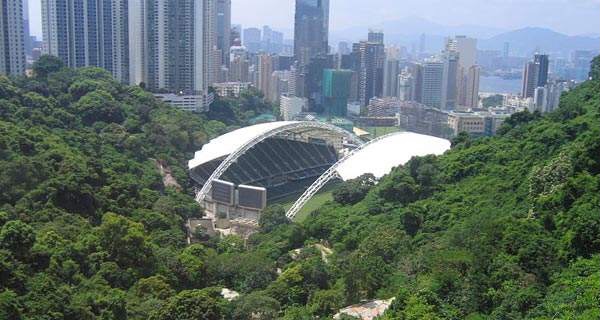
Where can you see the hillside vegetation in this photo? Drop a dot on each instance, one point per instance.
(506, 227)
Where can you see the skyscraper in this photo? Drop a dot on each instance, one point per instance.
(311, 30)
(473, 76)
(467, 53)
(369, 64)
(450, 80)
(252, 39)
(530, 79)
(26, 31)
(535, 74)
(391, 71)
(265, 70)
(12, 46)
(174, 44)
(224, 29)
(432, 84)
(543, 62)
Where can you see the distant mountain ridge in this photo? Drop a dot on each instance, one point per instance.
(531, 39)
(522, 41)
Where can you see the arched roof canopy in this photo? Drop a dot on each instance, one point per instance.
(377, 157)
(234, 144)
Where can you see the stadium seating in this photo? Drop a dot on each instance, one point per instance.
(283, 166)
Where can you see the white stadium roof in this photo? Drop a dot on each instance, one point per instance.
(377, 157)
(391, 151)
(230, 142)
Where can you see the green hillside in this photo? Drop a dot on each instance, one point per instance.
(506, 227)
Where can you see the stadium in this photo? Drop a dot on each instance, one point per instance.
(239, 173)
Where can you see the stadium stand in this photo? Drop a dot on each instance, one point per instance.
(282, 166)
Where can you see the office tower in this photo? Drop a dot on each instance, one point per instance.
(280, 85)
(252, 39)
(313, 81)
(543, 62)
(375, 36)
(432, 83)
(473, 87)
(390, 77)
(416, 71)
(224, 29)
(450, 81)
(467, 52)
(369, 63)
(535, 74)
(12, 46)
(506, 50)
(88, 33)
(311, 30)
(265, 69)
(466, 48)
(343, 48)
(530, 79)
(422, 44)
(336, 92)
(276, 42)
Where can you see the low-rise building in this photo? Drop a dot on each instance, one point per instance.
(291, 106)
(476, 123)
(419, 118)
(187, 102)
(231, 89)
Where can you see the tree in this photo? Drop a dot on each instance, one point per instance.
(97, 106)
(353, 191)
(9, 306)
(256, 306)
(46, 65)
(595, 69)
(17, 237)
(493, 101)
(192, 305)
(272, 217)
(125, 242)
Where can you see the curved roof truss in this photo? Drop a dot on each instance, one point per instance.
(327, 176)
(234, 156)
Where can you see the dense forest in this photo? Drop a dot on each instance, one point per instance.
(506, 227)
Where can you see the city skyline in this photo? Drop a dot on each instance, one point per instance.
(579, 17)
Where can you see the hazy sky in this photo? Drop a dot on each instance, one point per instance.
(567, 16)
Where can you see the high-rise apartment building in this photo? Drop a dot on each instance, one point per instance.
(369, 64)
(311, 30)
(12, 46)
(28, 41)
(88, 33)
(375, 36)
(173, 44)
(265, 70)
